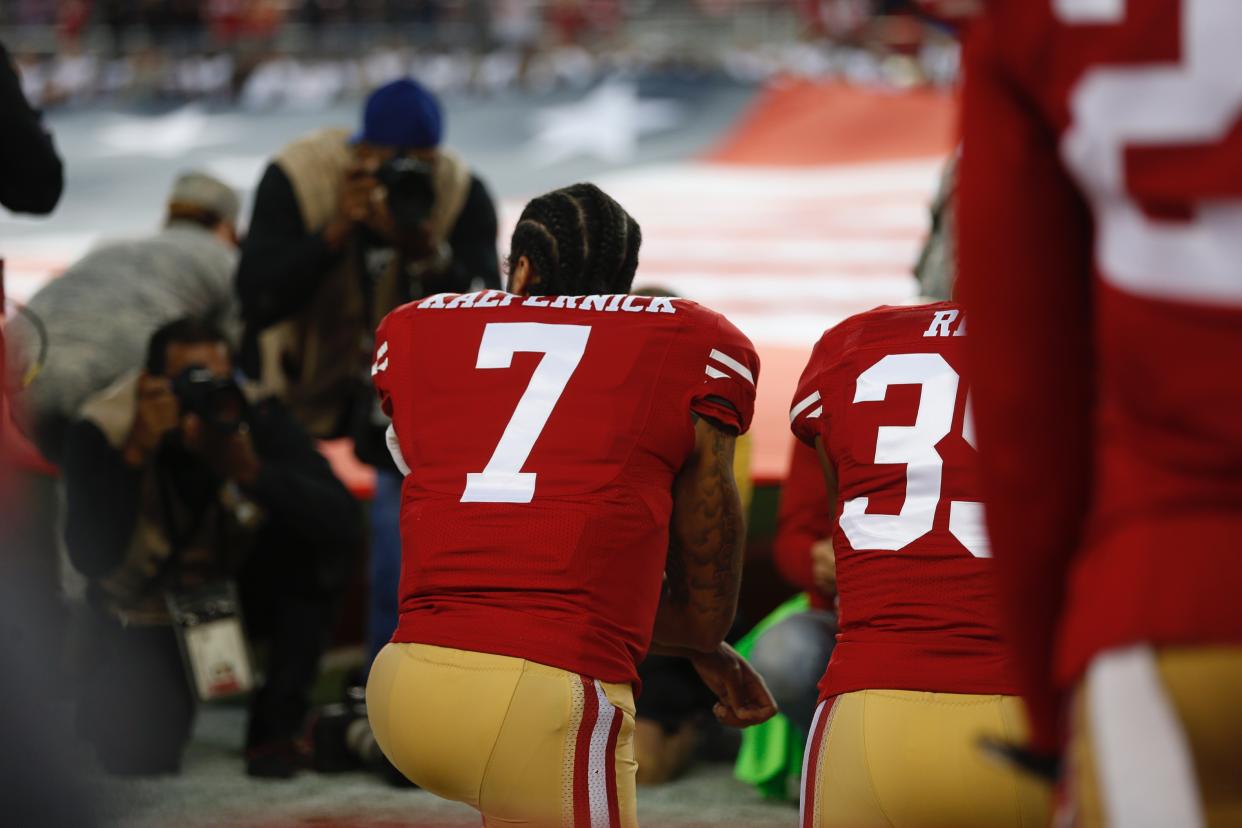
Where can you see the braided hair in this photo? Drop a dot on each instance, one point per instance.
(579, 241)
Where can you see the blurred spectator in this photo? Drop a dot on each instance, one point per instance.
(792, 654)
(936, 264)
(92, 324)
(176, 482)
(31, 174)
(344, 230)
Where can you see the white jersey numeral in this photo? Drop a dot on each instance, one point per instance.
(914, 446)
(1191, 104)
(502, 479)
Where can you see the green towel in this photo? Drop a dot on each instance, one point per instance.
(771, 752)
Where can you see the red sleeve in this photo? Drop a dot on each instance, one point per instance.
(1024, 259)
(807, 416)
(731, 373)
(380, 375)
(804, 517)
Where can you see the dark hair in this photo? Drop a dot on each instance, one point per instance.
(201, 216)
(185, 331)
(578, 241)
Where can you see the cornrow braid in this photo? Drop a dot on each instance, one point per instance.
(578, 241)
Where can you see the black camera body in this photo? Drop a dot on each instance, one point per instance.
(219, 402)
(410, 187)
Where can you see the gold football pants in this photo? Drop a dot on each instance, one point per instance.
(1157, 740)
(524, 743)
(906, 759)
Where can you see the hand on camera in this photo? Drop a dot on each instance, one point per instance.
(156, 414)
(355, 204)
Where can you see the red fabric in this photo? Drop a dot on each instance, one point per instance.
(582, 753)
(803, 518)
(810, 772)
(918, 613)
(1108, 420)
(572, 578)
(610, 758)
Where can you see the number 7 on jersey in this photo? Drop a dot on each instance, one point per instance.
(502, 479)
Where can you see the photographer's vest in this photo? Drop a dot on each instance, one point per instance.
(316, 360)
(134, 591)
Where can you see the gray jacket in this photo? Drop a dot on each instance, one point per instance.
(100, 314)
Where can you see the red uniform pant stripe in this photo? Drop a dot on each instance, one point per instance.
(582, 754)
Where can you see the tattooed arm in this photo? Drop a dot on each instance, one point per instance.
(702, 577)
(704, 568)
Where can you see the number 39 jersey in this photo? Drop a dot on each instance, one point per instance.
(886, 393)
(541, 437)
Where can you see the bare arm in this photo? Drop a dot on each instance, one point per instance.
(704, 569)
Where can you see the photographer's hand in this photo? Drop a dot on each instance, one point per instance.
(156, 414)
(354, 206)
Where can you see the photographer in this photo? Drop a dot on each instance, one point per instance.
(86, 328)
(344, 230)
(177, 484)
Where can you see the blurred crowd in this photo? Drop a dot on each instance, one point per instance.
(263, 53)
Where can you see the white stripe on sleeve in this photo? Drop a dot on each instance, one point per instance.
(729, 362)
(714, 374)
(803, 405)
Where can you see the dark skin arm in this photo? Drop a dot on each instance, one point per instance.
(704, 568)
(703, 577)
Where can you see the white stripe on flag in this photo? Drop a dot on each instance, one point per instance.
(597, 766)
(803, 406)
(714, 374)
(729, 362)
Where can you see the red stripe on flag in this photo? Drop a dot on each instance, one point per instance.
(582, 753)
(610, 772)
(812, 766)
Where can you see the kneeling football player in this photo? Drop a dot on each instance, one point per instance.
(568, 505)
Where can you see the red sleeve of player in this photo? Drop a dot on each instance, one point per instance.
(380, 375)
(1024, 260)
(806, 413)
(731, 373)
(804, 517)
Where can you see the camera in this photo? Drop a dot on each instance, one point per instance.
(219, 402)
(410, 189)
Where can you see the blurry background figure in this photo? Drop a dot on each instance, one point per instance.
(344, 230)
(91, 325)
(792, 645)
(176, 484)
(31, 174)
(39, 781)
(937, 263)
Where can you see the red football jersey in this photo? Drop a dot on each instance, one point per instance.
(1101, 262)
(886, 392)
(542, 436)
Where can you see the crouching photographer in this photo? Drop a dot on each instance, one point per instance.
(190, 508)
